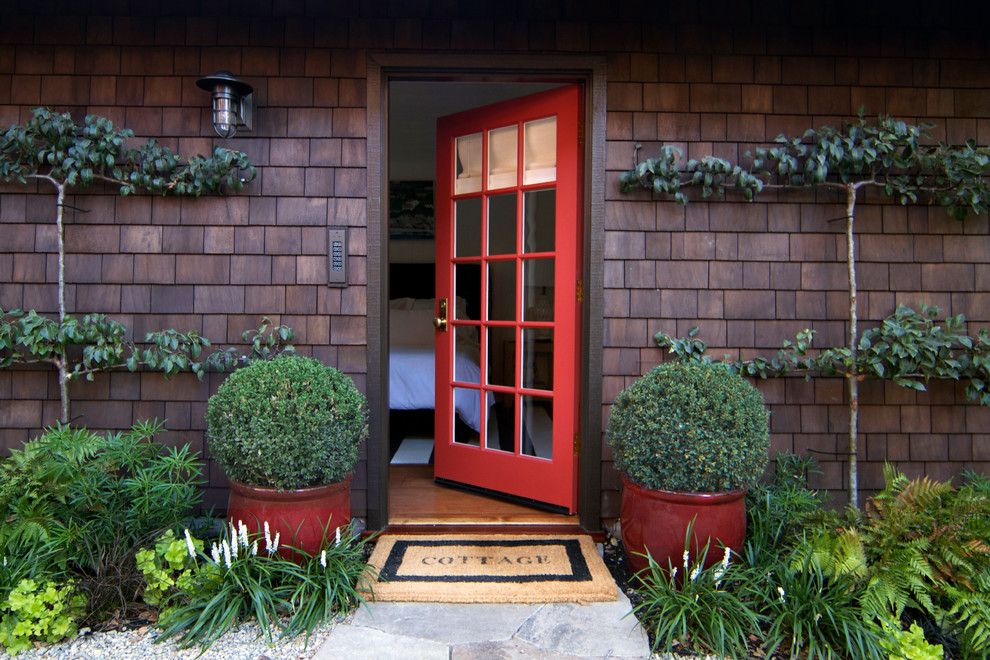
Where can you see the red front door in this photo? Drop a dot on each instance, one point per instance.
(508, 231)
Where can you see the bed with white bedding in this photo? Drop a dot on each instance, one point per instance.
(412, 384)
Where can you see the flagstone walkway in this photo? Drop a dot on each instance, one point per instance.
(383, 631)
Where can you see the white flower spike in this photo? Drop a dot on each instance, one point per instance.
(215, 553)
(254, 548)
(226, 553)
(782, 593)
(695, 573)
(723, 567)
(687, 558)
(242, 533)
(338, 537)
(323, 559)
(190, 546)
(274, 547)
(268, 536)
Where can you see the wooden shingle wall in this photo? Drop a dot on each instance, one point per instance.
(713, 78)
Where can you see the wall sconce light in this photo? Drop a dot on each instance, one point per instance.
(232, 102)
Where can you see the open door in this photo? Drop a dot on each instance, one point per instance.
(508, 297)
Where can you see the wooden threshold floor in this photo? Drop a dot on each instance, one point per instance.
(414, 499)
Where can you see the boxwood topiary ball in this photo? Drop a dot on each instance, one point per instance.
(690, 426)
(287, 423)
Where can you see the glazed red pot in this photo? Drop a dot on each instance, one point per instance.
(300, 516)
(657, 520)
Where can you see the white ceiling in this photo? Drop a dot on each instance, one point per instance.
(414, 107)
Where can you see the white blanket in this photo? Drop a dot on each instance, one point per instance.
(412, 384)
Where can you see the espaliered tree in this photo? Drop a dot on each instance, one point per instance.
(895, 158)
(52, 149)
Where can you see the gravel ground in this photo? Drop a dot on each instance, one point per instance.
(242, 643)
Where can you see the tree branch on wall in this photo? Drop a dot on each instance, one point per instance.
(888, 155)
(53, 149)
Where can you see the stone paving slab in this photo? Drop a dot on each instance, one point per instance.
(445, 622)
(350, 641)
(512, 649)
(597, 630)
(510, 632)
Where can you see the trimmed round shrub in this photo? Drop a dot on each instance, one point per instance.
(690, 426)
(287, 423)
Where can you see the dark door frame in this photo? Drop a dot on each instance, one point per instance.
(385, 67)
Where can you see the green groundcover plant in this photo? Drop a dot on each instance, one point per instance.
(39, 611)
(911, 644)
(169, 565)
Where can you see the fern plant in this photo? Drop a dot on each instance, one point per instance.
(969, 615)
(919, 545)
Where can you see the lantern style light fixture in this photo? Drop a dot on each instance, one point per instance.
(232, 103)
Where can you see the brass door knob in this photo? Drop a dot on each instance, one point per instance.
(440, 320)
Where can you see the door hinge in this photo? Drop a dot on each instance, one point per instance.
(577, 444)
(580, 291)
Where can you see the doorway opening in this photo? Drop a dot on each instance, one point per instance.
(479, 417)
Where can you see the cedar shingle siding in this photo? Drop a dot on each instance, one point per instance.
(712, 77)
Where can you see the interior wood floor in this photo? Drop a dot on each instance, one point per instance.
(414, 499)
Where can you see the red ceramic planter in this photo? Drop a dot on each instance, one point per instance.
(657, 520)
(299, 515)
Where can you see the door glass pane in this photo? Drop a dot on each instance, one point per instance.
(466, 369)
(468, 416)
(501, 422)
(467, 287)
(502, 356)
(537, 358)
(502, 159)
(467, 165)
(539, 219)
(502, 224)
(536, 432)
(502, 290)
(538, 295)
(540, 151)
(466, 354)
(467, 227)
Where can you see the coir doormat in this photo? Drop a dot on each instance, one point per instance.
(470, 568)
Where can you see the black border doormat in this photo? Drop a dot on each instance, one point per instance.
(474, 568)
